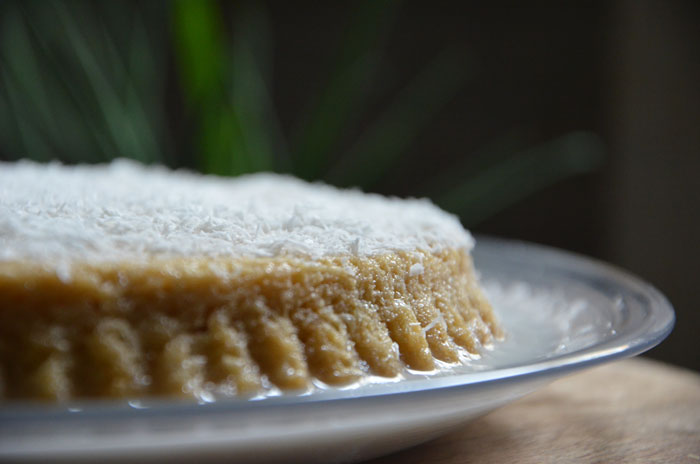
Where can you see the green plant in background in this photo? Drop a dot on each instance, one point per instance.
(224, 88)
(77, 89)
(87, 82)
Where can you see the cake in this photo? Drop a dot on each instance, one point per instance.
(122, 281)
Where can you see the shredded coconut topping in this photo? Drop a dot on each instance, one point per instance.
(416, 270)
(126, 211)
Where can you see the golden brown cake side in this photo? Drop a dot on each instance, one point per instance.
(234, 327)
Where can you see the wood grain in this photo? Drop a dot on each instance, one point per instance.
(632, 411)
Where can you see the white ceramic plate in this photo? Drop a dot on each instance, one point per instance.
(561, 312)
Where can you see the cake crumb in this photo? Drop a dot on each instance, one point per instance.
(416, 270)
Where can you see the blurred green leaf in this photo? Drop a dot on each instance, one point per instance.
(144, 92)
(252, 104)
(232, 135)
(31, 139)
(339, 102)
(120, 126)
(200, 48)
(20, 57)
(74, 123)
(36, 101)
(71, 87)
(499, 186)
(380, 146)
(201, 54)
(219, 135)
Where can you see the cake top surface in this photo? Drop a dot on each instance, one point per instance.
(126, 211)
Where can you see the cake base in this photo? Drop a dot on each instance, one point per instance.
(183, 327)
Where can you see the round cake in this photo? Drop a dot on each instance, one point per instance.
(125, 281)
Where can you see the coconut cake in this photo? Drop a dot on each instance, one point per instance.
(123, 280)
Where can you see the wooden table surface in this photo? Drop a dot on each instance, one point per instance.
(632, 411)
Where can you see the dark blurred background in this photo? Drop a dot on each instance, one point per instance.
(573, 125)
